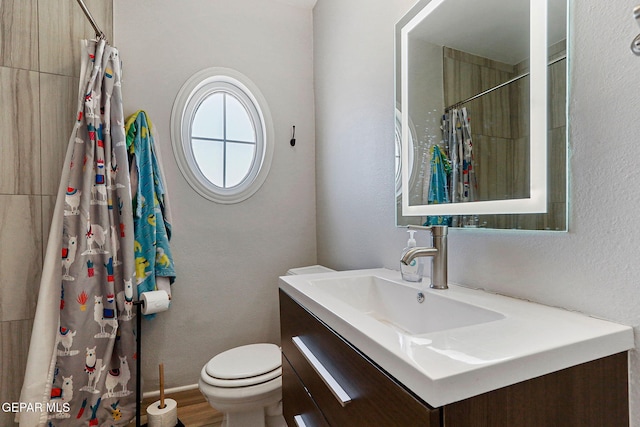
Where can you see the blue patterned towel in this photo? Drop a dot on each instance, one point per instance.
(151, 229)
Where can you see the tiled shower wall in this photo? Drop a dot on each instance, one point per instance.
(500, 143)
(39, 68)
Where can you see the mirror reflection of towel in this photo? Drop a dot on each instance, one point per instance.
(438, 191)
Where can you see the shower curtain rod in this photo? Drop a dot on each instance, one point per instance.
(501, 85)
(92, 21)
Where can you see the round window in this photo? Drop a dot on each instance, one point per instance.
(222, 135)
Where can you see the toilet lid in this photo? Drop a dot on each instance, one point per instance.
(246, 361)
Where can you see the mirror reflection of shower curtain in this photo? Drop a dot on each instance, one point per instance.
(457, 134)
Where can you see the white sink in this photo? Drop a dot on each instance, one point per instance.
(459, 342)
(396, 304)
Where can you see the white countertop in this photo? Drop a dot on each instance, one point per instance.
(443, 367)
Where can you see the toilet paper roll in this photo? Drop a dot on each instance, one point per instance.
(162, 417)
(155, 302)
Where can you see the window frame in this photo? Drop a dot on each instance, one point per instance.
(197, 89)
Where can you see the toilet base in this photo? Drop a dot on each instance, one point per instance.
(274, 416)
(257, 406)
(265, 417)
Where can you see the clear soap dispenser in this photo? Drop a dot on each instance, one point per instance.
(413, 271)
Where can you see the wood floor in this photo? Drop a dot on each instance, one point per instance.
(193, 410)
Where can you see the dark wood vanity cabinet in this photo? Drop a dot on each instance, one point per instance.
(376, 399)
(594, 394)
(299, 402)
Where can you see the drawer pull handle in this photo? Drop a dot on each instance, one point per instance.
(299, 421)
(328, 379)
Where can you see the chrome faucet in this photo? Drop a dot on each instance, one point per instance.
(438, 253)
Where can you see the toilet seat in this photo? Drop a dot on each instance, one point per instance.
(244, 366)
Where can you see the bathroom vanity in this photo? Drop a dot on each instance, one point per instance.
(359, 350)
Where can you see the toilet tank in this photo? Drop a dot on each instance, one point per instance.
(312, 269)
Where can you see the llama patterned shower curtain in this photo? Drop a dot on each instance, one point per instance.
(91, 374)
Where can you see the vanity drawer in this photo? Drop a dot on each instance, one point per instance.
(375, 398)
(297, 404)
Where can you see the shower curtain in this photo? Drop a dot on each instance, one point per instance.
(81, 363)
(456, 129)
(462, 183)
(468, 184)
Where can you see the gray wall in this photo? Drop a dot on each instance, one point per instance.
(39, 65)
(594, 268)
(228, 257)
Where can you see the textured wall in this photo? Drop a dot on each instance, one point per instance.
(39, 62)
(228, 257)
(593, 268)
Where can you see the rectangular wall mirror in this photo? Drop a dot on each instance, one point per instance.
(481, 114)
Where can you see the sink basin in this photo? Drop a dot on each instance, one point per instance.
(397, 305)
(459, 342)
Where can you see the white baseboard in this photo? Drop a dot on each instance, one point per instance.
(156, 393)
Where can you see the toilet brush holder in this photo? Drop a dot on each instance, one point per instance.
(161, 403)
(164, 412)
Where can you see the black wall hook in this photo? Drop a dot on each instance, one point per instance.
(293, 137)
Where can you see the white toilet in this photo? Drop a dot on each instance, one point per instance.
(245, 383)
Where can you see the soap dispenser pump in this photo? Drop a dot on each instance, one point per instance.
(413, 271)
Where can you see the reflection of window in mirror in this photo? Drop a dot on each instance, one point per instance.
(398, 151)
